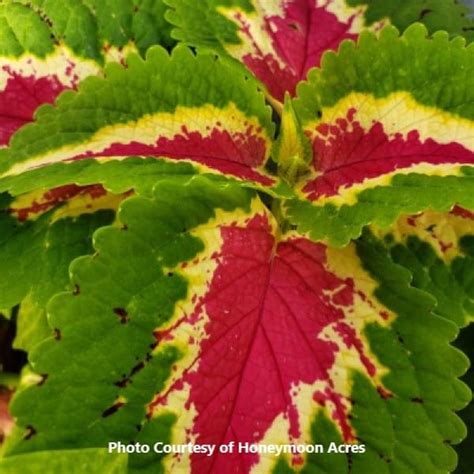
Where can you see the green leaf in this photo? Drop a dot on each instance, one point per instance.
(447, 15)
(117, 176)
(149, 24)
(63, 241)
(24, 240)
(21, 30)
(88, 27)
(93, 461)
(36, 241)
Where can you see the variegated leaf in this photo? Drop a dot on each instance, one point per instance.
(49, 46)
(222, 329)
(281, 40)
(438, 249)
(181, 107)
(391, 125)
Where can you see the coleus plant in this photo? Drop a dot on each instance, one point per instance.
(253, 240)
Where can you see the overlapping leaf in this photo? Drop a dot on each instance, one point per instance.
(116, 176)
(200, 317)
(450, 16)
(49, 46)
(181, 107)
(391, 125)
(279, 41)
(437, 249)
(155, 348)
(97, 29)
(48, 230)
(50, 225)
